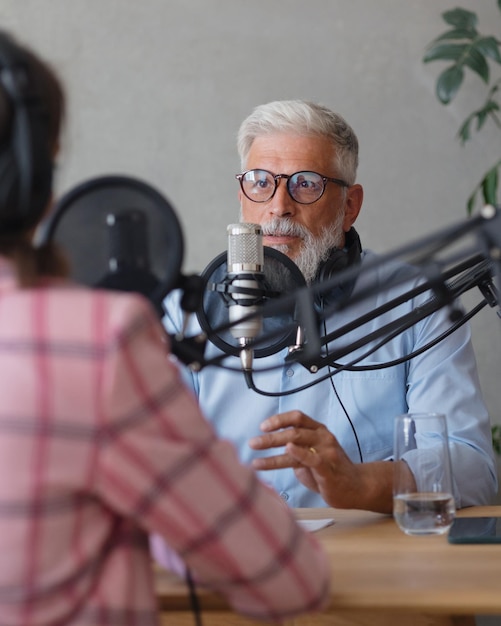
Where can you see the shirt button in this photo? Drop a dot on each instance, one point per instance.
(284, 495)
(290, 373)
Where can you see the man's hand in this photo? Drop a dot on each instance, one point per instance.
(322, 465)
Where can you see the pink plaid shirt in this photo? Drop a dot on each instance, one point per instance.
(100, 444)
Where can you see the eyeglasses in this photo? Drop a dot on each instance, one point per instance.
(303, 187)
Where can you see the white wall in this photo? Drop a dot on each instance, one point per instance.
(157, 89)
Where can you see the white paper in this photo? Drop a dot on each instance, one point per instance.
(315, 524)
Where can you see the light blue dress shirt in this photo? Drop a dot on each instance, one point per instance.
(443, 379)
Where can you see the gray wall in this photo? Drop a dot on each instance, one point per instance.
(157, 89)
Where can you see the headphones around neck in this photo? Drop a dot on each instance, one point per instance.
(338, 260)
(25, 159)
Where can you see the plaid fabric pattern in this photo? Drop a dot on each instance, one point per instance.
(100, 445)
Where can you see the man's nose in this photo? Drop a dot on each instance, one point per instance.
(282, 205)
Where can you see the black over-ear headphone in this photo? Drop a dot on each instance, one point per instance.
(338, 260)
(25, 154)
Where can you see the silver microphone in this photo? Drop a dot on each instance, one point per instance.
(245, 269)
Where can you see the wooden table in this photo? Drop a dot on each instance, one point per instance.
(380, 577)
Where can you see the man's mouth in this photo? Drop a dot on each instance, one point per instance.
(283, 232)
(276, 238)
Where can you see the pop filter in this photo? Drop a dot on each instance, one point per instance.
(281, 276)
(120, 233)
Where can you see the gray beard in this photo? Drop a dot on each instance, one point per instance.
(314, 250)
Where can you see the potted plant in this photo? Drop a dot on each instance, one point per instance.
(465, 49)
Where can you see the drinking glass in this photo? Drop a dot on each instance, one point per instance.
(423, 503)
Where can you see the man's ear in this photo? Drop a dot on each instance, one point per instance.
(353, 204)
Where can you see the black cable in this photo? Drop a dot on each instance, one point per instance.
(408, 357)
(351, 366)
(194, 602)
(339, 399)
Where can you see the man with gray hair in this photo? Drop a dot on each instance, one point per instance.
(327, 440)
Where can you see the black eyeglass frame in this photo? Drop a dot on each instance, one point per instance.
(288, 177)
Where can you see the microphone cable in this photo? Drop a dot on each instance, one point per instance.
(352, 365)
(194, 601)
(341, 404)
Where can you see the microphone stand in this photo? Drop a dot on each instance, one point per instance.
(443, 295)
(476, 267)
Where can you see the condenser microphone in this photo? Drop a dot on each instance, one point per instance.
(281, 277)
(245, 277)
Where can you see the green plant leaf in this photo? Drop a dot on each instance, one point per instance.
(455, 33)
(490, 185)
(488, 109)
(487, 187)
(475, 60)
(489, 47)
(464, 131)
(470, 205)
(448, 83)
(446, 52)
(481, 117)
(495, 87)
(496, 429)
(463, 54)
(461, 18)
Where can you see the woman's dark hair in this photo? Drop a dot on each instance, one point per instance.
(15, 235)
(45, 84)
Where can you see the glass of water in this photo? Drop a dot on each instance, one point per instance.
(423, 503)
